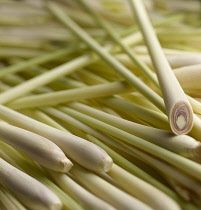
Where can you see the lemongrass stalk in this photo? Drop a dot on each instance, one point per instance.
(84, 197)
(12, 79)
(63, 83)
(12, 199)
(161, 22)
(159, 165)
(23, 21)
(36, 147)
(184, 60)
(130, 167)
(31, 169)
(156, 119)
(191, 189)
(28, 190)
(141, 49)
(169, 172)
(22, 53)
(186, 165)
(183, 145)
(110, 111)
(46, 78)
(195, 132)
(42, 117)
(193, 93)
(108, 179)
(188, 76)
(6, 157)
(92, 156)
(139, 99)
(34, 44)
(138, 111)
(90, 78)
(145, 69)
(178, 38)
(6, 201)
(195, 104)
(34, 61)
(52, 75)
(112, 195)
(137, 36)
(122, 70)
(63, 96)
(115, 156)
(83, 19)
(178, 108)
(142, 190)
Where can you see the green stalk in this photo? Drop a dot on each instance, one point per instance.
(186, 165)
(43, 79)
(36, 147)
(115, 156)
(112, 195)
(142, 190)
(42, 117)
(91, 157)
(178, 108)
(122, 70)
(154, 118)
(6, 201)
(184, 185)
(31, 169)
(188, 76)
(27, 189)
(84, 197)
(34, 61)
(22, 53)
(63, 96)
(182, 144)
(12, 199)
(145, 69)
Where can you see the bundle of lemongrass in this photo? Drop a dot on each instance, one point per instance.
(100, 108)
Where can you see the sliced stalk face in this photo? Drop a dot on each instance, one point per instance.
(190, 167)
(182, 144)
(178, 108)
(181, 118)
(36, 147)
(29, 191)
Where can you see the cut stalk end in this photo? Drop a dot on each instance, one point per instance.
(181, 118)
(67, 165)
(56, 206)
(108, 164)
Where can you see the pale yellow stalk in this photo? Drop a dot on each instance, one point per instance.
(178, 108)
(106, 191)
(142, 190)
(36, 147)
(28, 190)
(85, 153)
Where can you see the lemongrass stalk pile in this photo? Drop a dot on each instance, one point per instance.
(100, 105)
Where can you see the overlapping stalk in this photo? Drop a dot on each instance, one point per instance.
(178, 108)
(77, 82)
